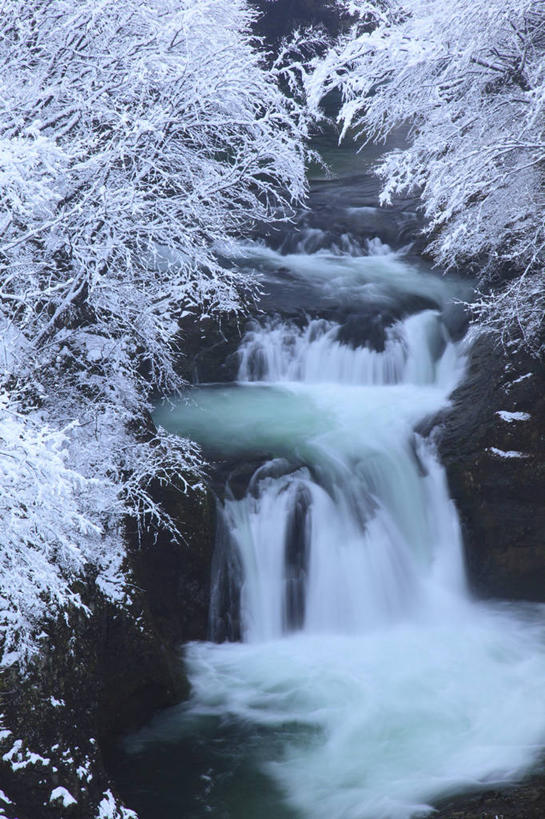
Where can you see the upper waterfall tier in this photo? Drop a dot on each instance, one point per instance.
(417, 351)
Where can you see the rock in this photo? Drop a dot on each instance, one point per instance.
(492, 443)
(175, 577)
(209, 348)
(456, 320)
(524, 801)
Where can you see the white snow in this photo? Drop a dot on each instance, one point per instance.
(63, 795)
(34, 759)
(510, 453)
(84, 772)
(513, 416)
(522, 378)
(109, 809)
(14, 750)
(20, 758)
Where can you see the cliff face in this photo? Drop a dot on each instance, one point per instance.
(103, 674)
(492, 442)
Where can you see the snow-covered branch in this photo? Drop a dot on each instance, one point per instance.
(135, 138)
(467, 79)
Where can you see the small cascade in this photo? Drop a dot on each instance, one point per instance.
(349, 274)
(281, 352)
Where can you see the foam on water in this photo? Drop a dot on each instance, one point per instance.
(346, 278)
(390, 719)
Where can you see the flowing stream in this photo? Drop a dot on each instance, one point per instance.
(366, 682)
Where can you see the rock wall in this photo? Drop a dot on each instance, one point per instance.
(492, 442)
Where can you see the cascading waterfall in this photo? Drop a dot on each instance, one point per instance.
(352, 544)
(367, 681)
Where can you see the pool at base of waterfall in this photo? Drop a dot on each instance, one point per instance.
(373, 726)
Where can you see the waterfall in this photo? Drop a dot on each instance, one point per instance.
(351, 540)
(367, 682)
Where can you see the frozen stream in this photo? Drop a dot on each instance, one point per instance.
(367, 683)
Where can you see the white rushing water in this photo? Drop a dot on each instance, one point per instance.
(377, 272)
(362, 648)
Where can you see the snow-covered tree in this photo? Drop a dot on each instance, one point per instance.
(134, 138)
(467, 78)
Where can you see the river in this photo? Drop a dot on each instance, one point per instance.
(350, 675)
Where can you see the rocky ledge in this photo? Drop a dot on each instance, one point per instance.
(492, 442)
(524, 801)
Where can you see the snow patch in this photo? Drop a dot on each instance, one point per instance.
(510, 453)
(62, 794)
(34, 759)
(513, 416)
(84, 771)
(522, 378)
(19, 759)
(14, 750)
(108, 809)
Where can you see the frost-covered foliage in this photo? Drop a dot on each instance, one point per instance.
(134, 137)
(468, 79)
(47, 534)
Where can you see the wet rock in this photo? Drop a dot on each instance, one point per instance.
(96, 674)
(235, 478)
(232, 477)
(368, 327)
(209, 348)
(492, 442)
(296, 559)
(524, 801)
(175, 576)
(225, 622)
(456, 320)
